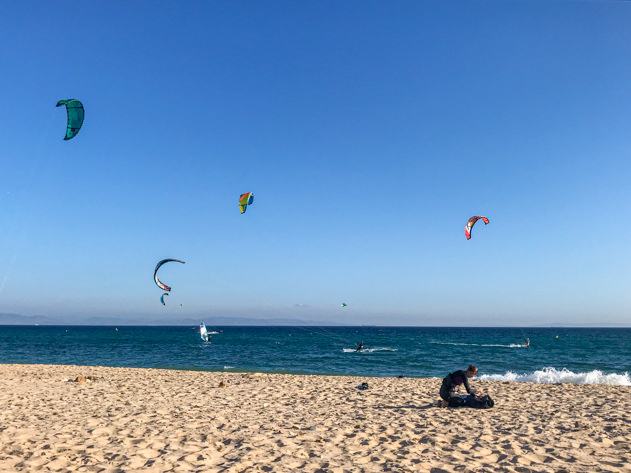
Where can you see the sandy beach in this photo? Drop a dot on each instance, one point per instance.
(126, 420)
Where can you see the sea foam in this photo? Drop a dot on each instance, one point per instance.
(369, 350)
(552, 375)
(511, 345)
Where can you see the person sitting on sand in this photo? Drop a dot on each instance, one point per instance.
(360, 347)
(454, 380)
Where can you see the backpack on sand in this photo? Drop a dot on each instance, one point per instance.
(482, 402)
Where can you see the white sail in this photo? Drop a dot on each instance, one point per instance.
(203, 332)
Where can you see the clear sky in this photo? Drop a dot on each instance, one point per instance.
(368, 131)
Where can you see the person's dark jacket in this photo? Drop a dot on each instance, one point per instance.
(453, 380)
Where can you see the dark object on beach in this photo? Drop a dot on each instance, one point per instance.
(401, 376)
(363, 386)
(476, 402)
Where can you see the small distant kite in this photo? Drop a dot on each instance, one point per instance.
(75, 111)
(471, 222)
(344, 304)
(159, 283)
(245, 200)
(162, 298)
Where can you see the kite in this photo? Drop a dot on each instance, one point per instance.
(159, 283)
(75, 117)
(471, 222)
(162, 298)
(245, 200)
(344, 304)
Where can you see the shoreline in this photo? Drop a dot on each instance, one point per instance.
(157, 420)
(614, 378)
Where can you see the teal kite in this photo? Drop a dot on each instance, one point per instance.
(75, 117)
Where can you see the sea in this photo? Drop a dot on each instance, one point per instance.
(555, 355)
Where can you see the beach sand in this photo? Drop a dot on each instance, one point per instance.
(126, 420)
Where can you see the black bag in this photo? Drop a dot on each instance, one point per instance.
(482, 402)
(457, 401)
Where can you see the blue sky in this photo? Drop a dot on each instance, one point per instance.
(369, 132)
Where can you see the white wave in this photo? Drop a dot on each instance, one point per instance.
(369, 350)
(512, 345)
(228, 367)
(213, 333)
(552, 375)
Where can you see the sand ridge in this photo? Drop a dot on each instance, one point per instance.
(127, 420)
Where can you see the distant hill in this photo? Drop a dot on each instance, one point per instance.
(594, 325)
(16, 319)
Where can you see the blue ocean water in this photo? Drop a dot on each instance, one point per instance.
(578, 355)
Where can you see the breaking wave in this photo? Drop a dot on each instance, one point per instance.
(552, 376)
(370, 350)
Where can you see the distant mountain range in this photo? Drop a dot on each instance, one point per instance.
(594, 324)
(16, 319)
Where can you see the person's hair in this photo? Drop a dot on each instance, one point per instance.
(473, 369)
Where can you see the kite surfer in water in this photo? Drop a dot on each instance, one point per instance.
(360, 347)
(527, 344)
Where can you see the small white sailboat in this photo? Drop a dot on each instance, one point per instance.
(203, 332)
